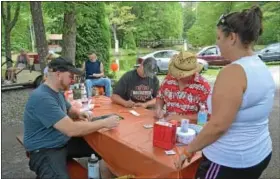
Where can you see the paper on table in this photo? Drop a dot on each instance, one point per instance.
(134, 113)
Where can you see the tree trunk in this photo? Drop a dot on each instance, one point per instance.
(114, 29)
(8, 26)
(8, 47)
(40, 35)
(69, 34)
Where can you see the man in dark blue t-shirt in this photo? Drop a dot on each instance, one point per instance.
(95, 75)
(50, 133)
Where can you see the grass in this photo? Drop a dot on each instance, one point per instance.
(212, 72)
(276, 63)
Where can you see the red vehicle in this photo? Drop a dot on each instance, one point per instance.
(212, 55)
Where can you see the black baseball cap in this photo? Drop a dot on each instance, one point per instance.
(150, 67)
(63, 64)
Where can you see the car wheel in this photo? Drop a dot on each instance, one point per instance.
(38, 81)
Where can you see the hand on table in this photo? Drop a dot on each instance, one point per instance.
(111, 122)
(129, 104)
(143, 105)
(95, 75)
(159, 113)
(85, 116)
(183, 157)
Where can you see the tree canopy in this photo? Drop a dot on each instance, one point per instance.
(98, 24)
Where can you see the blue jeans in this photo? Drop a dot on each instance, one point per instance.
(106, 82)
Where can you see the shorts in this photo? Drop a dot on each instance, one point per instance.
(210, 170)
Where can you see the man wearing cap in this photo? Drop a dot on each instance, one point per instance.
(53, 128)
(138, 87)
(183, 90)
(95, 75)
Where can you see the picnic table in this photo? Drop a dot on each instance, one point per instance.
(128, 149)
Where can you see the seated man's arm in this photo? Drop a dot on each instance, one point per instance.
(121, 91)
(119, 100)
(79, 128)
(72, 111)
(101, 70)
(51, 115)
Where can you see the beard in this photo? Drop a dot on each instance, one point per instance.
(64, 86)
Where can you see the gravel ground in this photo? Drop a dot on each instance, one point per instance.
(15, 164)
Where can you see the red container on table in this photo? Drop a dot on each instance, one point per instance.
(164, 135)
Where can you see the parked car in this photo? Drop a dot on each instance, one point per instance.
(212, 55)
(163, 57)
(270, 53)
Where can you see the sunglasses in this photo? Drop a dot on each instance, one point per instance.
(223, 22)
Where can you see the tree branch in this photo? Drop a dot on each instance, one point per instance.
(13, 23)
(8, 13)
(4, 17)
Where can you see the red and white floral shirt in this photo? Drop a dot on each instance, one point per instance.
(187, 101)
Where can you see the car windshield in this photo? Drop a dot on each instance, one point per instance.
(202, 50)
(215, 48)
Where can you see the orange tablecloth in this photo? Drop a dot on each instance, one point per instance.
(128, 149)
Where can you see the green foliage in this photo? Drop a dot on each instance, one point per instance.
(157, 20)
(203, 33)
(129, 42)
(144, 20)
(94, 36)
(120, 16)
(188, 19)
(271, 23)
(20, 34)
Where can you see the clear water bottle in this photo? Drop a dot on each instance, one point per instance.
(84, 94)
(184, 125)
(202, 116)
(93, 167)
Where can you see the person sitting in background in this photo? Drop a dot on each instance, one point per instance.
(138, 87)
(51, 55)
(236, 141)
(95, 75)
(183, 90)
(21, 62)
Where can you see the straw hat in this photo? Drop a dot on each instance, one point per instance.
(183, 65)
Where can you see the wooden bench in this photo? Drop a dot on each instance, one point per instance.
(75, 169)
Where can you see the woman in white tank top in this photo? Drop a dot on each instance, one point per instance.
(236, 143)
